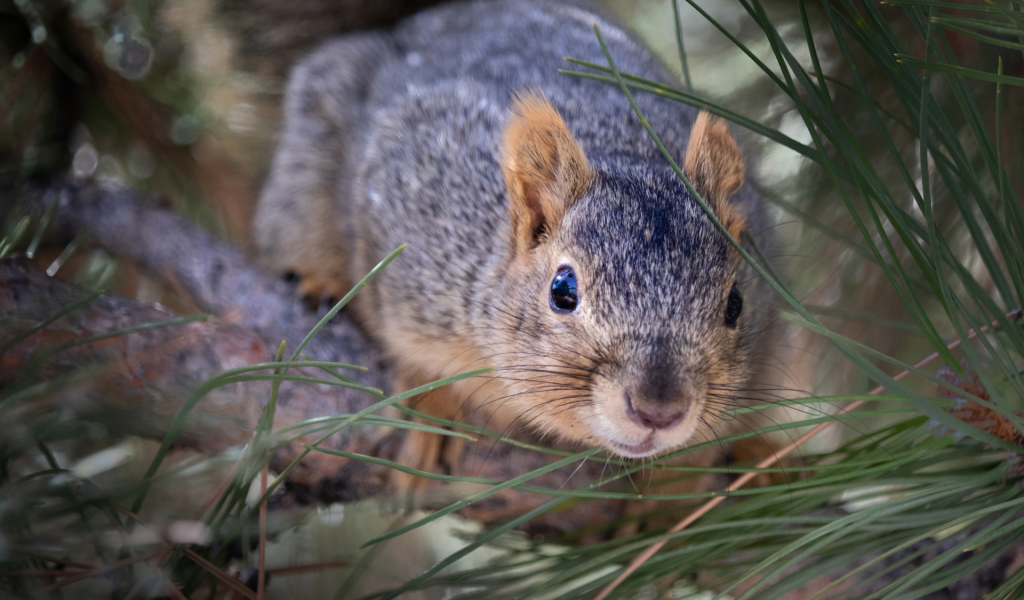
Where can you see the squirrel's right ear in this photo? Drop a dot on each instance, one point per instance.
(545, 170)
(714, 165)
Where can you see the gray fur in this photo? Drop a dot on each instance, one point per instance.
(406, 125)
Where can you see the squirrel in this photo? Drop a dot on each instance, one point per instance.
(547, 235)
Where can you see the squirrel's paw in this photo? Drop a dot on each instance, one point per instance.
(315, 288)
(421, 451)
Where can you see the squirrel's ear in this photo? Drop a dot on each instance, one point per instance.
(545, 170)
(715, 167)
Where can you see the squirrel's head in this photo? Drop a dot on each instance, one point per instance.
(627, 322)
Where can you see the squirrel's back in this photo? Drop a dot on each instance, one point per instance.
(501, 48)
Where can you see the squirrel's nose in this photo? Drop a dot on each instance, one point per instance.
(653, 417)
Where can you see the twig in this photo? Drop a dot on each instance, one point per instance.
(236, 585)
(131, 515)
(771, 460)
(199, 560)
(302, 569)
(104, 569)
(61, 561)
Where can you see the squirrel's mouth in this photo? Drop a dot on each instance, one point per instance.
(639, 450)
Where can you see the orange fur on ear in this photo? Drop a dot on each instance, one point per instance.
(715, 166)
(545, 169)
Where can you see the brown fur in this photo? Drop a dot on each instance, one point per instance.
(545, 169)
(714, 164)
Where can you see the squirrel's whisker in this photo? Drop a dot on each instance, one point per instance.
(593, 282)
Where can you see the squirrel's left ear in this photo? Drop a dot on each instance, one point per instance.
(714, 165)
(545, 170)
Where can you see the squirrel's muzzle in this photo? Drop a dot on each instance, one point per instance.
(654, 415)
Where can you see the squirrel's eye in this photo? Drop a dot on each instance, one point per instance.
(563, 290)
(733, 307)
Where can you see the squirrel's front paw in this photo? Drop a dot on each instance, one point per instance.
(317, 290)
(421, 451)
